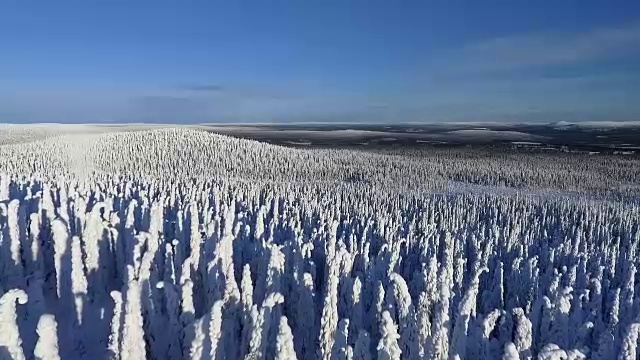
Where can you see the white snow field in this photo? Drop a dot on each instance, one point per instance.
(183, 244)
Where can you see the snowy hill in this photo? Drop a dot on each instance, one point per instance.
(183, 244)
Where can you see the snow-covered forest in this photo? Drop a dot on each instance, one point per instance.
(182, 244)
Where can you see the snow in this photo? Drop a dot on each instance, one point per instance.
(606, 124)
(297, 133)
(485, 134)
(179, 243)
(300, 143)
(475, 134)
(430, 142)
(526, 143)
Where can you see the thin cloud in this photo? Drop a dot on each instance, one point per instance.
(518, 52)
(203, 88)
(233, 91)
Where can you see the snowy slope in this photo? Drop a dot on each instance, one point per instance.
(182, 244)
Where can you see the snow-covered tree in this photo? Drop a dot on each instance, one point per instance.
(215, 330)
(630, 342)
(388, 348)
(47, 345)
(284, 341)
(133, 343)
(10, 339)
(115, 339)
(262, 326)
(510, 352)
(214, 241)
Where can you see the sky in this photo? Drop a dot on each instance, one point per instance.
(365, 61)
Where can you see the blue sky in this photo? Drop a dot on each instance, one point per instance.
(330, 60)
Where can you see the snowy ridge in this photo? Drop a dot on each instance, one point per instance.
(486, 134)
(597, 124)
(181, 244)
(182, 154)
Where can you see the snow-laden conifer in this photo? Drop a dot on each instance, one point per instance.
(552, 351)
(47, 345)
(246, 291)
(262, 326)
(465, 311)
(133, 344)
(14, 270)
(329, 319)
(284, 341)
(375, 312)
(187, 307)
(215, 330)
(438, 343)
(356, 321)
(114, 347)
(195, 238)
(388, 348)
(522, 334)
(629, 347)
(423, 322)
(307, 328)
(10, 339)
(510, 352)
(4, 187)
(409, 338)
